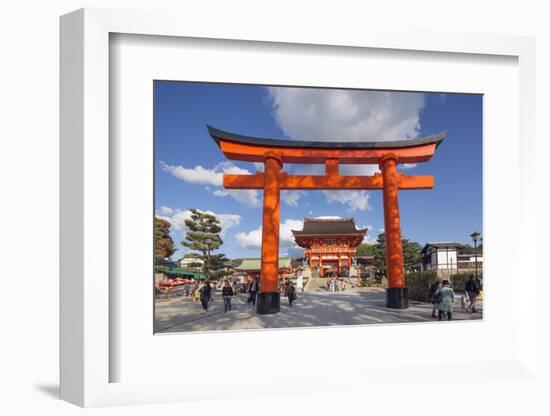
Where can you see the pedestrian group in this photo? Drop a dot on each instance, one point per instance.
(442, 296)
(203, 294)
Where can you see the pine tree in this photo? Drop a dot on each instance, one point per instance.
(164, 245)
(218, 262)
(380, 254)
(203, 235)
(365, 249)
(412, 253)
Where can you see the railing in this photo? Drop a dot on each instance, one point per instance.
(337, 249)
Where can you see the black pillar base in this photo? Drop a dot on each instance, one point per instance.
(397, 297)
(268, 303)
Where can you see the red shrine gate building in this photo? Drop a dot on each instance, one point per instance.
(329, 244)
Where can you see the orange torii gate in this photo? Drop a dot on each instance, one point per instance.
(273, 153)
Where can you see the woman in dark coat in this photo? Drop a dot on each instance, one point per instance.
(431, 296)
(206, 293)
(227, 292)
(290, 293)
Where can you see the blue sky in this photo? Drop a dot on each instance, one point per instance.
(189, 165)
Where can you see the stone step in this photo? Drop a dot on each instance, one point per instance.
(316, 284)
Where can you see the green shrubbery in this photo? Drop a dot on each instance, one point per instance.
(458, 281)
(370, 283)
(419, 284)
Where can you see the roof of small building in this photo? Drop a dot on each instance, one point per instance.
(177, 271)
(441, 244)
(333, 226)
(256, 264)
(198, 259)
(166, 262)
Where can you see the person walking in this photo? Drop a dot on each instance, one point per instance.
(205, 295)
(445, 297)
(196, 293)
(227, 293)
(254, 287)
(290, 293)
(473, 289)
(431, 295)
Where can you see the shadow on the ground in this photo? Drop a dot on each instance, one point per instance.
(311, 309)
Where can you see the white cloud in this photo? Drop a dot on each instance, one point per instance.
(228, 167)
(408, 165)
(346, 115)
(253, 239)
(328, 217)
(200, 175)
(344, 170)
(358, 170)
(166, 210)
(259, 166)
(220, 192)
(369, 238)
(286, 238)
(227, 220)
(291, 197)
(249, 197)
(355, 200)
(177, 219)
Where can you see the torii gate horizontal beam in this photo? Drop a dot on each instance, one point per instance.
(313, 182)
(332, 180)
(253, 149)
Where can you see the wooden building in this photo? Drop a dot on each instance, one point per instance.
(329, 244)
(440, 255)
(251, 268)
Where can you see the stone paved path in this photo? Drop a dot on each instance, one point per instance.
(365, 306)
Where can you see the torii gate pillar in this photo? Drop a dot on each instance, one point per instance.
(269, 299)
(396, 293)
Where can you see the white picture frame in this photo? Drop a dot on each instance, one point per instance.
(86, 294)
